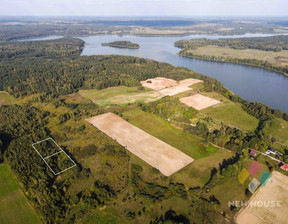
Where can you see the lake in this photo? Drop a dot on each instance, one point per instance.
(251, 83)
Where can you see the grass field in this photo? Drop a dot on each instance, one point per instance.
(14, 207)
(229, 190)
(198, 172)
(6, 98)
(230, 113)
(120, 95)
(159, 128)
(280, 131)
(276, 58)
(166, 158)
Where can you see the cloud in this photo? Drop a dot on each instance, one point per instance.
(144, 7)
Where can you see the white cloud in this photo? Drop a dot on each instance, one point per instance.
(144, 7)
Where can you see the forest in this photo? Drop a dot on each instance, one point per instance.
(274, 43)
(122, 44)
(48, 49)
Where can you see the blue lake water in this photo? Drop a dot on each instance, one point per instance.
(251, 83)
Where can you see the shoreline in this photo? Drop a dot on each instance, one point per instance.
(239, 63)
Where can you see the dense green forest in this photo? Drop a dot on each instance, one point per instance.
(122, 44)
(274, 43)
(48, 49)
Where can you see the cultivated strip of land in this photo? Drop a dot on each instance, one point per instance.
(155, 152)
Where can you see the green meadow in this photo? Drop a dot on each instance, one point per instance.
(6, 98)
(120, 95)
(155, 125)
(14, 207)
(230, 113)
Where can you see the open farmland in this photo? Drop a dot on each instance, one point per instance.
(230, 113)
(120, 95)
(160, 128)
(159, 83)
(155, 152)
(14, 207)
(276, 58)
(199, 102)
(169, 87)
(280, 130)
(273, 191)
(174, 90)
(181, 87)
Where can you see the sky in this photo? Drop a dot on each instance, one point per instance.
(143, 8)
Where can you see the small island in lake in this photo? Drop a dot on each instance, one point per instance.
(122, 44)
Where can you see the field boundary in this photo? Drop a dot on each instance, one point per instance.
(47, 157)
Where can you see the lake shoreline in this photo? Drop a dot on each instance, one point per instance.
(239, 63)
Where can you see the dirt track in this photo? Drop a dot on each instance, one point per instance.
(275, 191)
(199, 102)
(155, 152)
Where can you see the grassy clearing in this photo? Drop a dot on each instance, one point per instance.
(230, 113)
(229, 190)
(232, 190)
(6, 98)
(190, 144)
(198, 172)
(276, 58)
(14, 207)
(105, 216)
(280, 131)
(120, 95)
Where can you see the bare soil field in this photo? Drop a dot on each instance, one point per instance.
(155, 152)
(174, 90)
(159, 83)
(169, 87)
(199, 102)
(277, 58)
(189, 82)
(181, 87)
(273, 191)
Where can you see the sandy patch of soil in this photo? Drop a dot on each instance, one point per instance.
(199, 102)
(276, 190)
(159, 83)
(155, 152)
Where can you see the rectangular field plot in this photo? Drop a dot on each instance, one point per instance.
(199, 102)
(155, 152)
(263, 206)
(53, 156)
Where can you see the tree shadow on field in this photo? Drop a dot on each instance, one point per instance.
(172, 215)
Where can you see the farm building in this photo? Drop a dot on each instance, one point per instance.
(284, 167)
(273, 151)
(252, 153)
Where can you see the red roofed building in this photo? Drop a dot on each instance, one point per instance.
(253, 153)
(284, 167)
